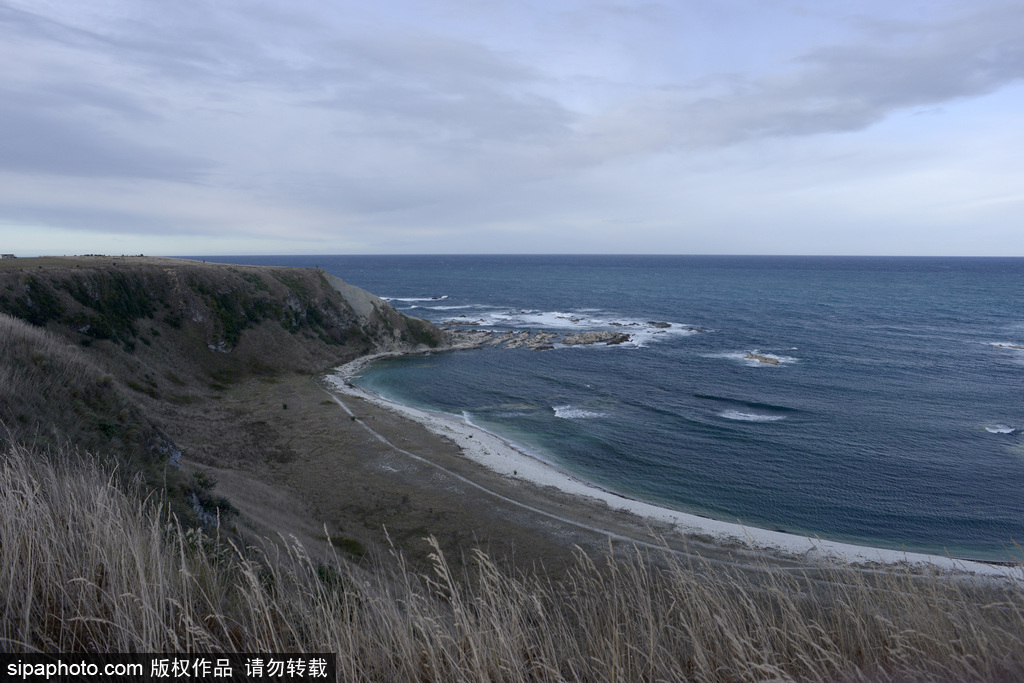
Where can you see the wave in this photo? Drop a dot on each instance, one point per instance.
(1007, 345)
(999, 429)
(568, 412)
(756, 358)
(749, 417)
(452, 308)
(752, 405)
(412, 299)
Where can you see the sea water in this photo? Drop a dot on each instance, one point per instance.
(878, 401)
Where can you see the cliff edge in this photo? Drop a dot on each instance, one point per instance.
(129, 356)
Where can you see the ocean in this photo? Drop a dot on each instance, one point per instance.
(876, 401)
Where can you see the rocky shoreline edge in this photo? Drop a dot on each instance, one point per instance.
(464, 335)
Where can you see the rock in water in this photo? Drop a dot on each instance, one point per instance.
(606, 336)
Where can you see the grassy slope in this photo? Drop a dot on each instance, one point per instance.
(141, 584)
(124, 357)
(87, 565)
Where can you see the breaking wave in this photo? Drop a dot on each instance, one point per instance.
(999, 429)
(750, 417)
(568, 412)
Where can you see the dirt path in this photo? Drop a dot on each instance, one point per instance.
(298, 460)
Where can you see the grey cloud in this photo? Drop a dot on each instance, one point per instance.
(180, 40)
(419, 83)
(436, 88)
(433, 60)
(41, 141)
(849, 88)
(57, 96)
(85, 218)
(366, 121)
(836, 89)
(428, 116)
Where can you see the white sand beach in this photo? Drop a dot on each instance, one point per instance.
(513, 462)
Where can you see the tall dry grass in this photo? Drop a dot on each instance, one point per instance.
(86, 565)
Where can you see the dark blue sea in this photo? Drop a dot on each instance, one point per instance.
(894, 416)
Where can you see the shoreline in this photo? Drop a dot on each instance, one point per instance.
(512, 462)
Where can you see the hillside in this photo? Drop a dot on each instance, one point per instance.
(114, 371)
(127, 357)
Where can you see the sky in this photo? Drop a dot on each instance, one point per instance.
(512, 126)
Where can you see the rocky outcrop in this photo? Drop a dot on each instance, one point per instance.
(463, 320)
(540, 341)
(602, 336)
(524, 339)
(761, 358)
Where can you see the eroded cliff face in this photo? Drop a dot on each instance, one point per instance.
(214, 317)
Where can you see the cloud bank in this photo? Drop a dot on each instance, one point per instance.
(391, 127)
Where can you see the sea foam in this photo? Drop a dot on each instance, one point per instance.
(999, 429)
(641, 332)
(568, 412)
(412, 299)
(750, 417)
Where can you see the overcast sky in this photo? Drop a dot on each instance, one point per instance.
(512, 126)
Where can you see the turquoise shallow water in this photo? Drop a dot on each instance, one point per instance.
(893, 418)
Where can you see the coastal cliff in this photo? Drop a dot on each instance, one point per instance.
(129, 357)
(152, 363)
(217, 315)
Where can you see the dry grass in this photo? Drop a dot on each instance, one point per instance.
(88, 566)
(50, 391)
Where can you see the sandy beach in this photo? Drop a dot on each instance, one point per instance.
(518, 468)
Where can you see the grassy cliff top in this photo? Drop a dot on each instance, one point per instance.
(116, 354)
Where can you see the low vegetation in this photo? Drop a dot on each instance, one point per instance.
(105, 545)
(88, 565)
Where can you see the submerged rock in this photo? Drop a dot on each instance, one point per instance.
(606, 336)
(462, 320)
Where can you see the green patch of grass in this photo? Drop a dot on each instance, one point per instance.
(420, 332)
(348, 545)
(108, 429)
(233, 309)
(39, 304)
(256, 280)
(224, 375)
(204, 480)
(174, 379)
(111, 301)
(149, 387)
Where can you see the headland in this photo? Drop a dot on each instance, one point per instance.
(242, 372)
